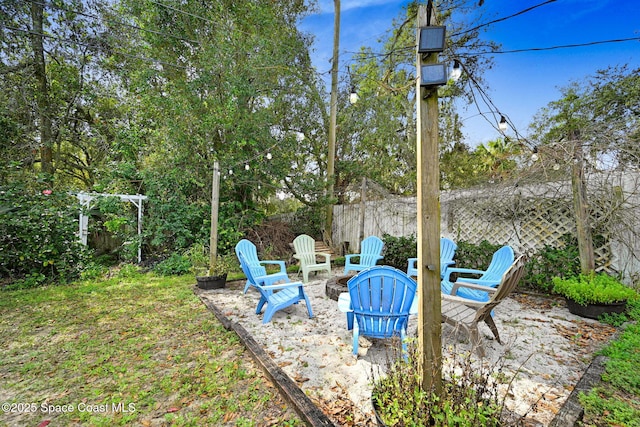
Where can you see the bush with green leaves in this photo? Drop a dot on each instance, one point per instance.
(552, 261)
(398, 249)
(308, 220)
(175, 265)
(478, 257)
(38, 236)
(593, 289)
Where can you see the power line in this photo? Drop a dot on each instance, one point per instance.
(566, 46)
(529, 9)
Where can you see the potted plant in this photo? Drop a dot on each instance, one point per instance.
(592, 295)
(207, 276)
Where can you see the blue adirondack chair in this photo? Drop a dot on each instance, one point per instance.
(380, 301)
(447, 252)
(248, 249)
(277, 296)
(501, 260)
(370, 254)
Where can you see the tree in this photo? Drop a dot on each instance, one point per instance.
(377, 135)
(591, 128)
(222, 81)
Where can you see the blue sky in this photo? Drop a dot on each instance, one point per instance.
(520, 84)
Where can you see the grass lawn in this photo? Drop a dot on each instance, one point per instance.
(129, 350)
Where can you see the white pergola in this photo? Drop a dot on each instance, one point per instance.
(85, 201)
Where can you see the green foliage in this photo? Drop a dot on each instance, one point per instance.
(116, 218)
(593, 289)
(38, 236)
(176, 264)
(199, 262)
(309, 220)
(551, 262)
(612, 402)
(478, 257)
(398, 249)
(470, 395)
(632, 313)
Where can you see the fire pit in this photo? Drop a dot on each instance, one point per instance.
(337, 285)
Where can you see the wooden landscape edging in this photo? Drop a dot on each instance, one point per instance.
(304, 407)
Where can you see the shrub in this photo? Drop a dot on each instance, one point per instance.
(478, 257)
(550, 261)
(308, 220)
(38, 236)
(593, 289)
(398, 249)
(176, 264)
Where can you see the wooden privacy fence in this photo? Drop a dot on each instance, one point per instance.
(525, 217)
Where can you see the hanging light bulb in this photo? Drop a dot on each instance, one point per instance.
(456, 72)
(534, 156)
(246, 166)
(353, 96)
(269, 156)
(503, 126)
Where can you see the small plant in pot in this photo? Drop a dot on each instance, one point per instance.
(207, 276)
(592, 295)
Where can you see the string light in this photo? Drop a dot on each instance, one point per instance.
(353, 96)
(269, 156)
(456, 72)
(503, 126)
(246, 166)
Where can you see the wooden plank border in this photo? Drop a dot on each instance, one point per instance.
(304, 407)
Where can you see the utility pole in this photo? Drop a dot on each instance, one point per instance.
(333, 123)
(429, 315)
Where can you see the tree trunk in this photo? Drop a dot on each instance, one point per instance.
(42, 95)
(581, 209)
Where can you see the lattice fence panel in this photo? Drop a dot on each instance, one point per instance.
(525, 217)
(526, 224)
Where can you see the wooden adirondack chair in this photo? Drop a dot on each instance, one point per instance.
(248, 249)
(305, 248)
(447, 252)
(466, 313)
(370, 253)
(380, 300)
(275, 296)
(501, 261)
